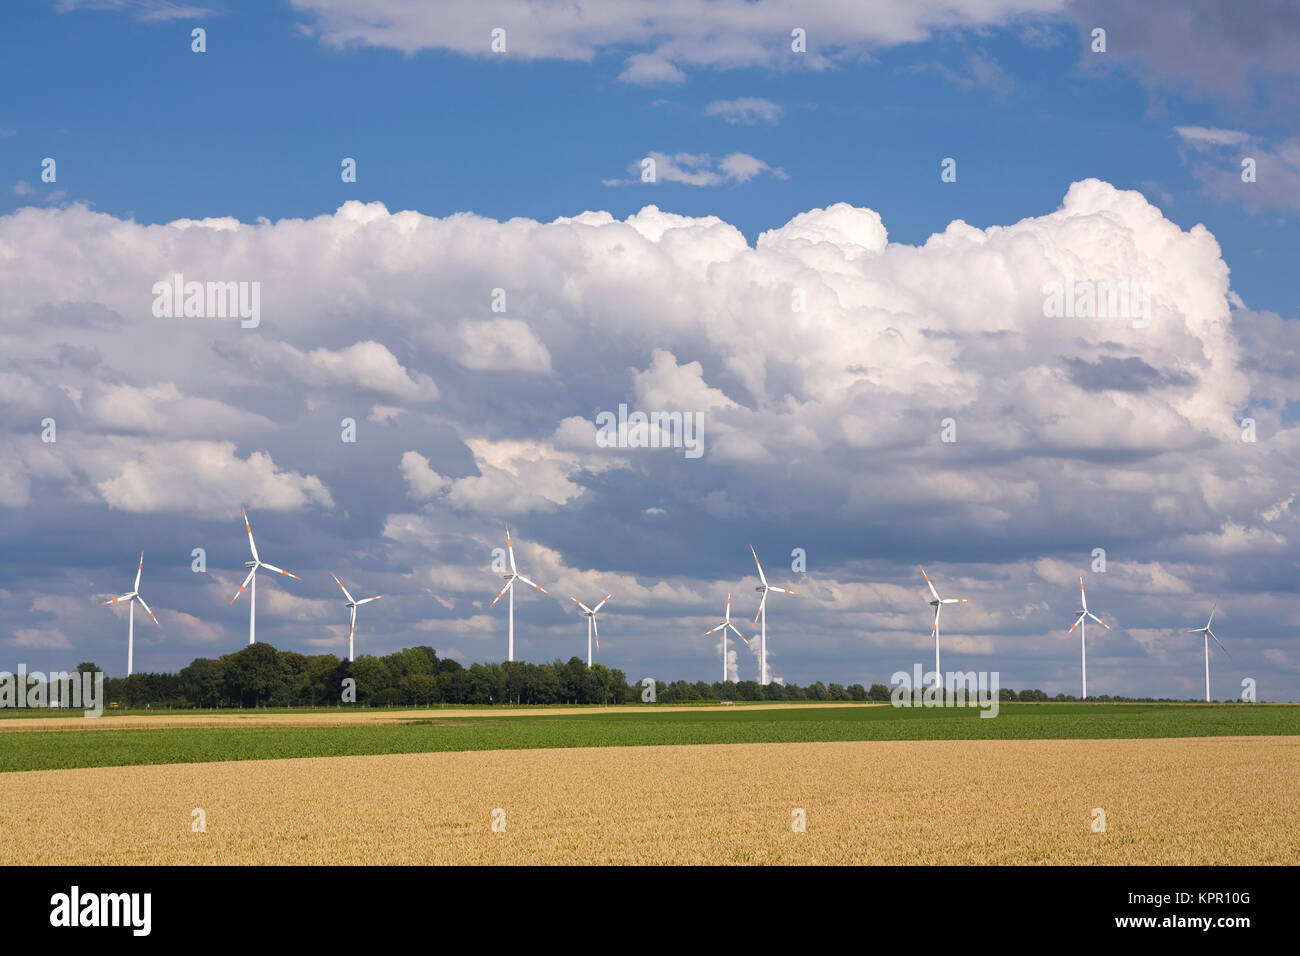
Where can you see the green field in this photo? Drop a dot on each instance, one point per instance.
(49, 750)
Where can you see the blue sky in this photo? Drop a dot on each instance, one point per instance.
(147, 132)
(256, 127)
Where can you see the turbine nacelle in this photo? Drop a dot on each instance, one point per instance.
(1209, 633)
(254, 565)
(131, 598)
(510, 577)
(1084, 613)
(592, 627)
(726, 625)
(352, 604)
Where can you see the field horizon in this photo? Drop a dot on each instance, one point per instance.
(179, 738)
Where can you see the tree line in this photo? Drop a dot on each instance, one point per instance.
(262, 676)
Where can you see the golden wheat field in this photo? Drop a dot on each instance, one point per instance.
(1222, 800)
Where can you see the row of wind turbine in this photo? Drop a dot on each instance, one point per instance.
(593, 630)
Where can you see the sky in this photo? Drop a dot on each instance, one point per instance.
(870, 345)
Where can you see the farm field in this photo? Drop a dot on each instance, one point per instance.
(25, 720)
(174, 740)
(1220, 800)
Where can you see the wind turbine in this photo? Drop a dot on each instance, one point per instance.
(590, 614)
(511, 577)
(762, 641)
(1083, 634)
(134, 596)
(723, 627)
(938, 604)
(1207, 634)
(252, 579)
(352, 605)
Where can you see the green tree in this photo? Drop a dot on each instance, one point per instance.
(602, 680)
(455, 686)
(488, 684)
(372, 675)
(314, 683)
(201, 682)
(252, 675)
(620, 692)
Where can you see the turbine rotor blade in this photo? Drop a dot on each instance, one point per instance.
(340, 584)
(251, 572)
(596, 630)
(739, 635)
(510, 550)
(124, 597)
(538, 586)
(718, 628)
(761, 604)
(1082, 596)
(1076, 623)
(502, 591)
(930, 584)
(146, 607)
(602, 603)
(954, 601)
(138, 572)
(1217, 641)
(1207, 623)
(1099, 621)
(367, 600)
(272, 567)
(251, 546)
(580, 604)
(759, 566)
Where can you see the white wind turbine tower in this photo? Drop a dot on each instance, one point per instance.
(762, 641)
(1084, 613)
(1207, 634)
(352, 605)
(724, 627)
(252, 579)
(938, 604)
(511, 577)
(131, 598)
(590, 614)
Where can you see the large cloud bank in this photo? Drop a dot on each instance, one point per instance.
(830, 370)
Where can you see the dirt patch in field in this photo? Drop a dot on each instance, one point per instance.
(1221, 800)
(346, 718)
